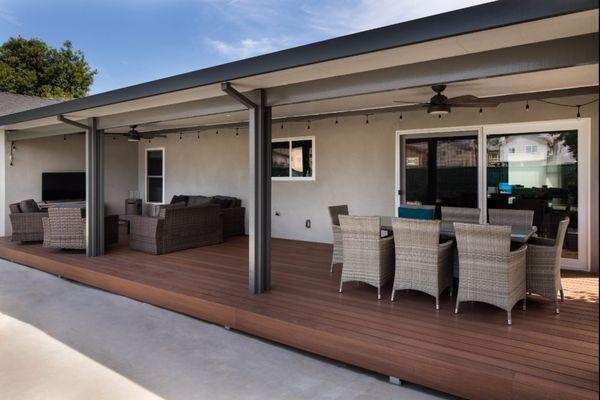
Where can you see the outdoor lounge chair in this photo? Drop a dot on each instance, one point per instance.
(26, 224)
(368, 257)
(338, 246)
(65, 229)
(422, 263)
(489, 271)
(176, 228)
(543, 265)
(517, 219)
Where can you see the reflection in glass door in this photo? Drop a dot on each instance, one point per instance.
(441, 171)
(538, 172)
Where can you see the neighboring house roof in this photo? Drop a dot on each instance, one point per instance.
(11, 103)
(467, 20)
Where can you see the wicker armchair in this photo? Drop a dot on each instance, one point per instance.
(26, 227)
(519, 219)
(338, 246)
(489, 271)
(422, 263)
(176, 228)
(367, 257)
(543, 265)
(64, 229)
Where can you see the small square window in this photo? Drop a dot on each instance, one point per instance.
(293, 159)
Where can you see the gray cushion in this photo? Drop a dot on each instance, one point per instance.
(29, 206)
(224, 201)
(198, 201)
(15, 208)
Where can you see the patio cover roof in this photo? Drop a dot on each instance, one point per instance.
(481, 42)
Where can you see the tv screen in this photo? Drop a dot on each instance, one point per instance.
(60, 186)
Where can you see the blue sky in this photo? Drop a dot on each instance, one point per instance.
(134, 41)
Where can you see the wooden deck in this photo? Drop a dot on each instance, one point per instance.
(472, 355)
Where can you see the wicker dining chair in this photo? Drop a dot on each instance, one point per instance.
(489, 271)
(459, 214)
(422, 263)
(519, 219)
(64, 229)
(338, 246)
(543, 265)
(367, 257)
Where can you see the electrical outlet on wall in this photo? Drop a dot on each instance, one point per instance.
(307, 223)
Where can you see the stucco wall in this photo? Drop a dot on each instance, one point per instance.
(53, 154)
(355, 164)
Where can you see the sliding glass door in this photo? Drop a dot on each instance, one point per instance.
(441, 170)
(538, 166)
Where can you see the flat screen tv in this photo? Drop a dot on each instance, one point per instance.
(63, 186)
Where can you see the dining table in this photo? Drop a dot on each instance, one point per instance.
(517, 235)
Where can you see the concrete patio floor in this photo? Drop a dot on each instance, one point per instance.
(63, 340)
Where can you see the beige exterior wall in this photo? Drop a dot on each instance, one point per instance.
(355, 164)
(53, 154)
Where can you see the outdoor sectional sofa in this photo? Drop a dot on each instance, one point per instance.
(230, 209)
(26, 221)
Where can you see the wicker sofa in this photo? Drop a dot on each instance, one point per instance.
(230, 209)
(177, 227)
(26, 222)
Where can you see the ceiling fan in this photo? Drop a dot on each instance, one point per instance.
(440, 104)
(135, 136)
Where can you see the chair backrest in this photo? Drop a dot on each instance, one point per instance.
(65, 219)
(560, 236)
(336, 211)
(482, 241)
(416, 233)
(360, 232)
(522, 219)
(416, 211)
(461, 214)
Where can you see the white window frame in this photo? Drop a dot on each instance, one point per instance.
(314, 159)
(162, 150)
(583, 127)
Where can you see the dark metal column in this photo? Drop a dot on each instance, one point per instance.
(260, 196)
(94, 159)
(259, 209)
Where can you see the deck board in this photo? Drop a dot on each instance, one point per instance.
(473, 354)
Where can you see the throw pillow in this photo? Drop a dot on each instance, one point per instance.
(29, 206)
(222, 201)
(198, 201)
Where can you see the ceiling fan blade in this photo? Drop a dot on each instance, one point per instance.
(409, 102)
(470, 101)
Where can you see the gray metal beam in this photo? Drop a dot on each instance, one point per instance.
(454, 23)
(554, 54)
(68, 121)
(94, 158)
(259, 217)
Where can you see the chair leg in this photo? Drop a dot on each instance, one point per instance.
(378, 293)
(562, 295)
(331, 270)
(393, 295)
(557, 305)
(456, 308)
(525, 304)
(341, 283)
(452, 289)
(509, 317)
(437, 302)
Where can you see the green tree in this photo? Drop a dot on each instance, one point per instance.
(31, 67)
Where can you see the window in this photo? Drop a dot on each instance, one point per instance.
(511, 150)
(155, 168)
(531, 149)
(293, 159)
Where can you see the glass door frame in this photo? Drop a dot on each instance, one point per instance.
(583, 127)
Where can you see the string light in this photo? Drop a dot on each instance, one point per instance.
(217, 132)
(578, 106)
(149, 140)
(527, 106)
(237, 131)
(198, 133)
(180, 135)
(439, 116)
(114, 137)
(336, 120)
(400, 116)
(308, 125)
(578, 112)
(64, 138)
(480, 111)
(367, 119)
(282, 125)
